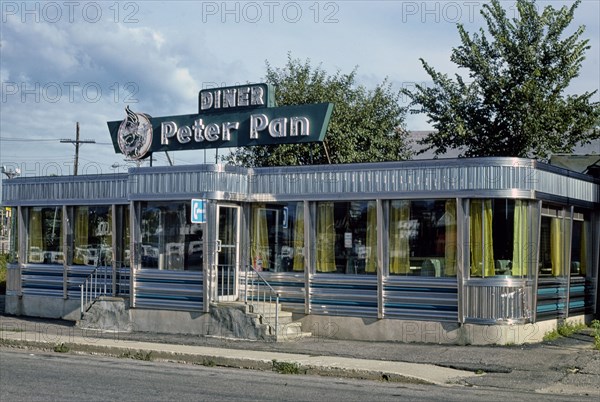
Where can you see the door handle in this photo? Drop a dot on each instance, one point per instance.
(218, 246)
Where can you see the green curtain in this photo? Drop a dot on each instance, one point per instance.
(450, 238)
(36, 243)
(520, 260)
(325, 238)
(583, 255)
(298, 262)
(556, 246)
(81, 234)
(371, 263)
(260, 238)
(399, 237)
(480, 236)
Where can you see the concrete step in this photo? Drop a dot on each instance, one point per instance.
(262, 306)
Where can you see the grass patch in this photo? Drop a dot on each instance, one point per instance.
(565, 329)
(285, 367)
(568, 329)
(62, 348)
(11, 329)
(596, 327)
(138, 355)
(3, 268)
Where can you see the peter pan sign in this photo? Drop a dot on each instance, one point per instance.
(237, 116)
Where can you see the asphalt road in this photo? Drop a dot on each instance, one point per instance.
(31, 376)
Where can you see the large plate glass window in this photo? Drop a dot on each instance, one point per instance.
(501, 239)
(92, 235)
(580, 244)
(554, 236)
(422, 238)
(169, 241)
(277, 237)
(12, 228)
(44, 235)
(346, 237)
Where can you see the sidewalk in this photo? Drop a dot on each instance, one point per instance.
(567, 366)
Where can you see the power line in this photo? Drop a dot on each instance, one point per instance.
(12, 139)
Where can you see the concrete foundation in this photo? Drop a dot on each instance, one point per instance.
(354, 328)
(232, 321)
(43, 306)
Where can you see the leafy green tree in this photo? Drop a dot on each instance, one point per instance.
(365, 126)
(513, 103)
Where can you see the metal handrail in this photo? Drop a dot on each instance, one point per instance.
(258, 300)
(91, 290)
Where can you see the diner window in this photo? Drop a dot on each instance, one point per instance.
(277, 237)
(580, 244)
(169, 240)
(346, 240)
(500, 240)
(422, 238)
(13, 234)
(553, 234)
(93, 235)
(45, 235)
(122, 253)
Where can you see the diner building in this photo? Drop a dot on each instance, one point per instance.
(470, 250)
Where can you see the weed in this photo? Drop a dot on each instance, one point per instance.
(286, 367)
(139, 355)
(565, 329)
(552, 335)
(3, 272)
(9, 329)
(209, 363)
(568, 329)
(62, 348)
(596, 327)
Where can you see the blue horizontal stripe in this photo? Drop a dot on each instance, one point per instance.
(149, 296)
(342, 303)
(412, 306)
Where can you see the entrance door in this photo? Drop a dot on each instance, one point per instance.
(228, 252)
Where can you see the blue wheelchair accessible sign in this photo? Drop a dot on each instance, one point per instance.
(198, 211)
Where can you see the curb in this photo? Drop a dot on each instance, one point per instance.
(285, 363)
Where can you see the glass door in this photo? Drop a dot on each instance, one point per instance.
(228, 252)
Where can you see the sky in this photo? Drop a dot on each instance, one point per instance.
(79, 61)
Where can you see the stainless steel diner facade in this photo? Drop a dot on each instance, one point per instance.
(410, 251)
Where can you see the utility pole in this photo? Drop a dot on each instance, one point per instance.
(76, 142)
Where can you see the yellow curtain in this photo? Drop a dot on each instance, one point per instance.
(371, 264)
(36, 243)
(583, 255)
(481, 238)
(108, 257)
(81, 234)
(399, 237)
(450, 238)
(325, 238)
(556, 246)
(260, 238)
(126, 239)
(298, 264)
(520, 260)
